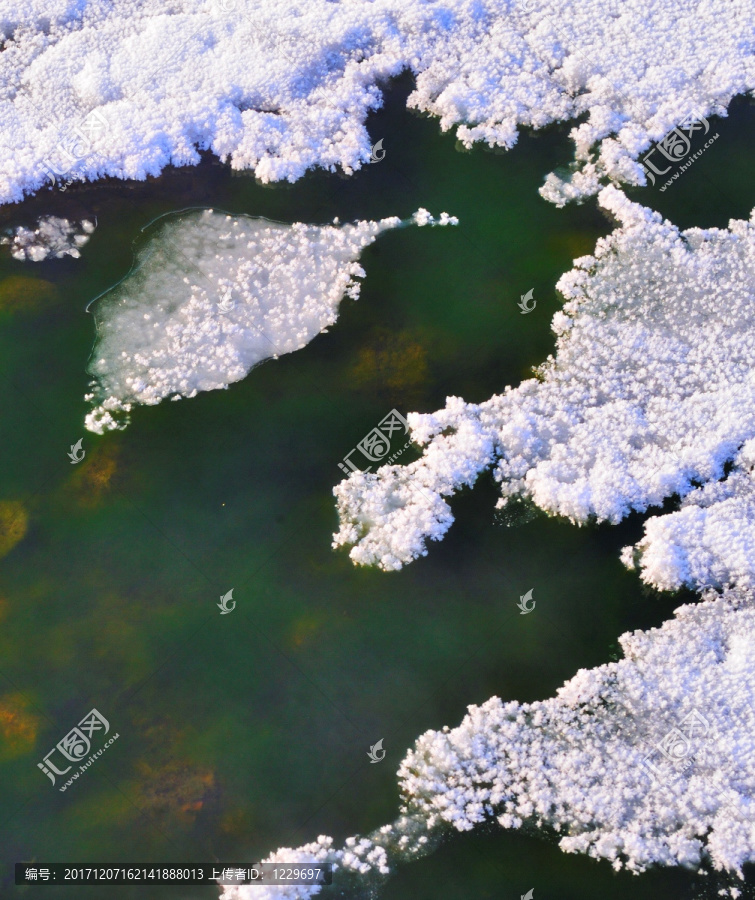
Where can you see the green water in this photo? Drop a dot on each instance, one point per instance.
(241, 733)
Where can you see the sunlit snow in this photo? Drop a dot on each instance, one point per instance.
(53, 237)
(648, 760)
(95, 88)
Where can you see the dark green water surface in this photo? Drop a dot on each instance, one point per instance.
(240, 733)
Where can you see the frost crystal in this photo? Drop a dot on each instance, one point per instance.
(52, 237)
(709, 541)
(649, 760)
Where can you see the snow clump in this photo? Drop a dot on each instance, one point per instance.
(94, 89)
(53, 237)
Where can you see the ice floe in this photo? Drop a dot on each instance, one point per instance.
(211, 295)
(93, 89)
(53, 237)
(651, 393)
(646, 761)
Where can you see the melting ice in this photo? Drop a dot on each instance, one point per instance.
(211, 295)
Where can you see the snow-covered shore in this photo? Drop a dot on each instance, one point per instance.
(649, 760)
(649, 395)
(124, 89)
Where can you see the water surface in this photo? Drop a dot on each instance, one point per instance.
(244, 732)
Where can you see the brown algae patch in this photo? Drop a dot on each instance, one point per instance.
(19, 293)
(14, 522)
(18, 726)
(393, 361)
(93, 480)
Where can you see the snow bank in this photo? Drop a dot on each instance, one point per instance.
(210, 296)
(651, 393)
(92, 88)
(52, 237)
(649, 760)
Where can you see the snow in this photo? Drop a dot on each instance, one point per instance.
(362, 863)
(211, 296)
(650, 394)
(648, 760)
(709, 541)
(588, 762)
(52, 237)
(278, 88)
